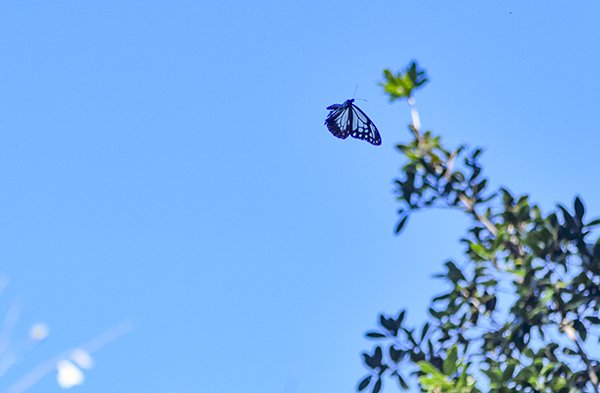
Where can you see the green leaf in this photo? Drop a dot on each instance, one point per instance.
(490, 304)
(579, 209)
(451, 361)
(389, 324)
(454, 273)
(593, 320)
(377, 386)
(396, 354)
(593, 222)
(403, 83)
(569, 221)
(428, 368)
(375, 335)
(507, 198)
(400, 318)
(480, 251)
(401, 224)
(508, 371)
(441, 297)
(569, 351)
(402, 382)
(494, 375)
(364, 383)
(424, 331)
(373, 361)
(580, 327)
(436, 314)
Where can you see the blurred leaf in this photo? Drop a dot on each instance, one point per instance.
(480, 251)
(424, 331)
(569, 351)
(593, 320)
(490, 305)
(402, 84)
(441, 297)
(401, 224)
(377, 386)
(508, 371)
(373, 361)
(400, 318)
(450, 363)
(569, 221)
(402, 382)
(375, 335)
(428, 368)
(436, 314)
(579, 209)
(454, 273)
(494, 375)
(395, 354)
(389, 324)
(364, 383)
(580, 327)
(593, 222)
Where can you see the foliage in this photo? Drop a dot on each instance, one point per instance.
(402, 84)
(521, 309)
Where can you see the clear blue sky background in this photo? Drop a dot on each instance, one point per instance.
(166, 162)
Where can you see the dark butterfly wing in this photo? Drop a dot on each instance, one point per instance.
(348, 119)
(363, 128)
(338, 122)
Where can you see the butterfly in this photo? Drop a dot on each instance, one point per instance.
(348, 119)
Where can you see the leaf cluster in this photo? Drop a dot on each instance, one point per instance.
(520, 312)
(402, 84)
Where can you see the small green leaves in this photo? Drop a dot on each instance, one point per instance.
(525, 277)
(432, 379)
(402, 84)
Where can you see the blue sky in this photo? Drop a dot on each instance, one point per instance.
(166, 163)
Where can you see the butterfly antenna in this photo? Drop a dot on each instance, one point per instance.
(359, 99)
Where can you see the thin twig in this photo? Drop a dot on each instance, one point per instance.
(46, 367)
(567, 327)
(10, 321)
(415, 127)
(483, 219)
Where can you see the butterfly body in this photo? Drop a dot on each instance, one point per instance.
(349, 120)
